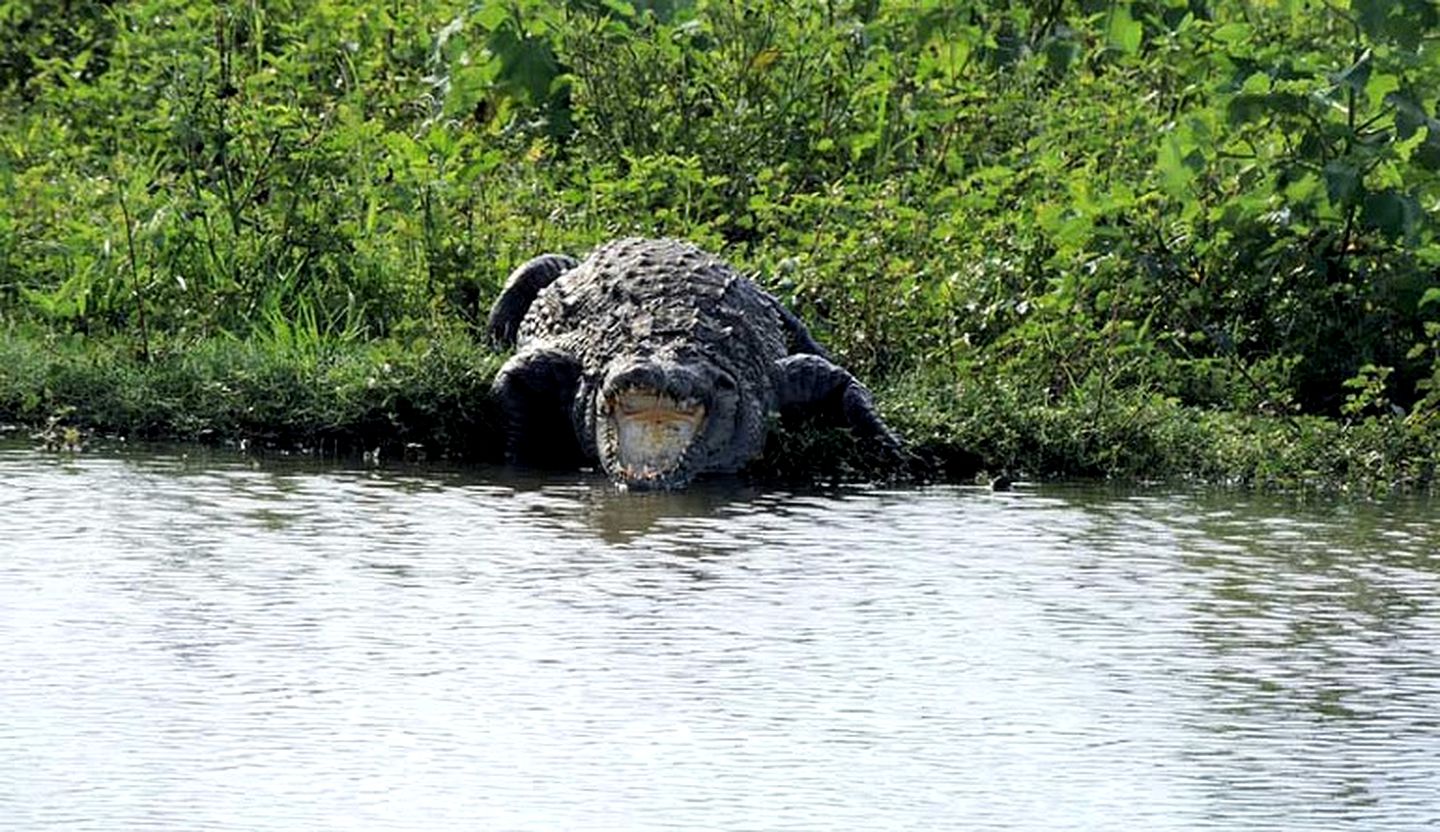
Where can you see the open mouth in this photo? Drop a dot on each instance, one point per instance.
(653, 431)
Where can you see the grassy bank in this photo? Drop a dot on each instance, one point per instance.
(345, 398)
(1117, 238)
(431, 400)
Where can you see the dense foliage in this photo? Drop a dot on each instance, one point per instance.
(1106, 208)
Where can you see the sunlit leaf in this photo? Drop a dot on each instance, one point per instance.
(1380, 86)
(764, 59)
(1124, 32)
(1257, 83)
(1233, 34)
(1176, 175)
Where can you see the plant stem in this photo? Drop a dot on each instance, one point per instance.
(136, 285)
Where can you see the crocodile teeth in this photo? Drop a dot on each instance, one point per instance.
(653, 432)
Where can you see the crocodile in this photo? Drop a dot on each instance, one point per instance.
(659, 362)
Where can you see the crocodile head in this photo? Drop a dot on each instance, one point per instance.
(661, 420)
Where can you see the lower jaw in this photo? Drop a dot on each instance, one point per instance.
(648, 479)
(648, 451)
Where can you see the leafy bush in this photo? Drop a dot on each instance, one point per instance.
(1097, 204)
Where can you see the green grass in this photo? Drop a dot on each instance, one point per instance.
(1144, 437)
(431, 398)
(427, 394)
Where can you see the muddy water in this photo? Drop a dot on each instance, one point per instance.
(196, 641)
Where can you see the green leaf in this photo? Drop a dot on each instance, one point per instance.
(1233, 34)
(764, 59)
(1427, 155)
(1256, 83)
(1247, 108)
(1175, 174)
(1403, 23)
(1061, 54)
(1409, 115)
(1432, 295)
(1357, 75)
(491, 16)
(1391, 213)
(1302, 191)
(1342, 182)
(1381, 86)
(1124, 32)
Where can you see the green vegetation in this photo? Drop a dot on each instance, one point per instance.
(1152, 238)
(430, 396)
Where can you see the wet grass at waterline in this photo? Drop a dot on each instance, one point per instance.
(430, 398)
(421, 398)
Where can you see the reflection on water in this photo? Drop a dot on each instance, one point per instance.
(206, 642)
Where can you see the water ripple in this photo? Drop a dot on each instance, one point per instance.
(202, 641)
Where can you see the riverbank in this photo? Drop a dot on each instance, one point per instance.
(1154, 242)
(429, 398)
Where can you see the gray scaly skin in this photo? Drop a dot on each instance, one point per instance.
(660, 362)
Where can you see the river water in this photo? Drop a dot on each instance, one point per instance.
(191, 640)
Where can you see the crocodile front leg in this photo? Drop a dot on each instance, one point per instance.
(799, 340)
(811, 385)
(536, 393)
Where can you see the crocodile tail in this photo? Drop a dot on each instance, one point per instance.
(520, 290)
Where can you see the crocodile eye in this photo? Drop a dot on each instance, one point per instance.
(724, 383)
